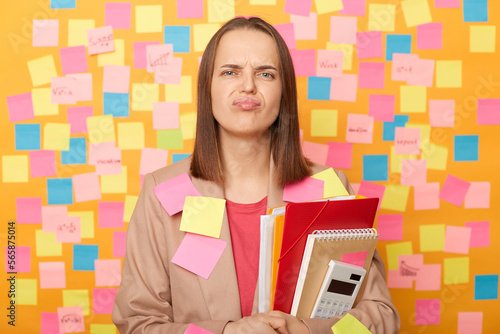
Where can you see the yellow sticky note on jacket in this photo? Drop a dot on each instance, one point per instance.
(203, 215)
(333, 185)
(348, 325)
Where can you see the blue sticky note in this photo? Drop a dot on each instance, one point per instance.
(475, 10)
(466, 148)
(62, 4)
(318, 88)
(179, 36)
(376, 167)
(27, 136)
(60, 191)
(397, 44)
(389, 130)
(84, 256)
(485, 287)
(179, 156)
(77, 154)
(116, 104)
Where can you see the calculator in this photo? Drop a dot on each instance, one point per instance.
(339, 289)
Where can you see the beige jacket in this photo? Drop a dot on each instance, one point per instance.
(157, 296)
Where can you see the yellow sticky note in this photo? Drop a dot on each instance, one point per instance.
(15, 168)
(77, 298)
(101, 129)
(46, 244)
(202, 34)
(381, 17)
(116, 57)
(130, 202)
(149, 18)
(42, 70)
(42, 105)
(86, 222)
(131, 135)
(220, 10)
(436, 156)
(456, 270)
(56, 136)
(263, 2)
(397, 158)
(416, 12)
(77, 31)
(144, 95)
(425, 132)
(328, 6)
(203, 215)
(395, 250)
(348, 51)
(413, 99)
(348, 325)
(482, 38)
(180, 93)
(333, 185)
(26, 291)
(395, 197)
(432, 238)
(114, 184)
(102, 329)
(324, 122)
(188, 125)
(448, 73)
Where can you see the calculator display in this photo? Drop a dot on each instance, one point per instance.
(341, 287)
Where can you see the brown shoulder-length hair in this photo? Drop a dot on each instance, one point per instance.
(291, 165)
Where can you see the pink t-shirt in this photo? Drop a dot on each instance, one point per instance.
(244, 224)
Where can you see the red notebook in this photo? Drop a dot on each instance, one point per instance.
(301, 219)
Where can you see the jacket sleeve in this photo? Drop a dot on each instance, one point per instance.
(143, 303)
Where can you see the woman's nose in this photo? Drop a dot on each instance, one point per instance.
(248, 83)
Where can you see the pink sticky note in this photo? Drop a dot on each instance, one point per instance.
(359, 129)
(119, 243)
(29, 210)
(100, 151)
(410, 265)
(193, 329)
(83, 86)
(51, 215)
(86, 187)
(63, 90)
(109, 162)
(45, 33)
(199, 254)
(19, 258)
(381, 107)
(428, 278)
(447, 3)
(470, 322)
(426, 196)
(339, 155)
(152, 159)
(413, 172)
(20, 107)
(189, 9)
(329, 63)
(306, 27)
(480, 233)
(100, 40)
(111, 214)
(488, 112)
(298, 7)
(407, 140)
(344, 88)
(390, 227)
(71, 319)
(287, 31)
(427, 311)
(353, 7)
(165, 115)
(457, 239)
(69, 230)
(52, 275)
(118, 14)
(397, 281)
(371, 75)
(103, 300)
(442, 113)
(308, 189)
(403, 65)
(140, 56)
(454, 190)
(343, 29)
(369, 44)
(430, 36)
(478, 196)
(356, 259)
(304, 62)
(169, 74)
(116, 79)
(315, 152)
(371, 189)
(77, 117)
(355, 187)
(49, 323)
(173, 192)
(107, 272)
(73, 59)
(423, 74)
(158, 55)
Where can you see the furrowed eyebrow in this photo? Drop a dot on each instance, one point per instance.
(262, 67)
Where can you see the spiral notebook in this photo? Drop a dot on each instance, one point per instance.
(355, 246)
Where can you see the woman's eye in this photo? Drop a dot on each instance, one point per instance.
(228, 73)
(267, 75)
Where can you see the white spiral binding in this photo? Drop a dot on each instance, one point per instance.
(347, 234)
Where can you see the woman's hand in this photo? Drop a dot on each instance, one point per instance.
(258, 323)
(293, 324)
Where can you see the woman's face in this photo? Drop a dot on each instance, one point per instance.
(246, 83)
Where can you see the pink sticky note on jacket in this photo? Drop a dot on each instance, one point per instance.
(173, 192)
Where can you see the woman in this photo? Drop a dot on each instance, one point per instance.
(247, 148)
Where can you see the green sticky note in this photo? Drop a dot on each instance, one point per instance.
(169, 139)
(203, 215)
(333, 185)
(348, 325)
(432, 238)
(395, 250)
(456, 270)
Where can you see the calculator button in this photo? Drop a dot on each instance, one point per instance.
(322, 302)
(341, 305)
(335, 304)
(329, 303)
(331, 313)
